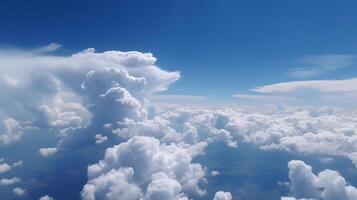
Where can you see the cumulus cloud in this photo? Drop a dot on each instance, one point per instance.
(163, 187)
(5, 181)
(4, 167)
(326, 185)
(19, 192)
(145, 164)
(188, 124)
(324, 132)
(215, 173)
(100, 138)
(76, 96)
(150, 151)
(11, 130)
(63, 93)
(46, 197)
(115, 184)
(222, 196)
(46, 152)
(302, 180)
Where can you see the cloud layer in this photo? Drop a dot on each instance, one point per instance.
(98, 104)
(303, 130)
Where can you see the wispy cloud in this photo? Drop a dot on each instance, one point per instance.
(320, 64)
(47, 49)
(263, 97)
(345, 85)
(318, 92)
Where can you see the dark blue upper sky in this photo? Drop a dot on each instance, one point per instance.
(221, 47)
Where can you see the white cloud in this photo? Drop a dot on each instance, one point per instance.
(149, 164)
(326, 185)
(114, 185)
(75, 96)
(338, 93)
(163, 187)
(100, 138)
(65, 93)
(215, 173)
(11, 131)
(5, 181)
(46, 152)
(46, 197)
(189, 124)
(344, 85)
(86, 93)
(47, 49)
(324, 132)
(4, 167)
(222, 196)
(19, 192)
(303, 181)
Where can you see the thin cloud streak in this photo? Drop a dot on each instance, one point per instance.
(344, 85)
(320, 64)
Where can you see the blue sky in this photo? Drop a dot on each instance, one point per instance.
(220, 47)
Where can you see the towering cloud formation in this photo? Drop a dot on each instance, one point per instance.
(79, 96)
(64, 93)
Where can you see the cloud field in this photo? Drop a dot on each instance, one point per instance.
(101, 102)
